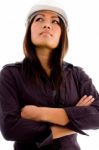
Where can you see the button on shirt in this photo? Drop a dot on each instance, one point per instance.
(15, 93)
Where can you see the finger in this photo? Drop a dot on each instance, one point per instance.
(81, 100)
(87, 99)
(89, 102)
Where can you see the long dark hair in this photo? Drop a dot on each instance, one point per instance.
(32, 67)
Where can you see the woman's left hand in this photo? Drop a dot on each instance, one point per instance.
(31, 112)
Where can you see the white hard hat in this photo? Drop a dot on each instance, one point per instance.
(50, 5)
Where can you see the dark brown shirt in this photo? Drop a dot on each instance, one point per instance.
(15, 93)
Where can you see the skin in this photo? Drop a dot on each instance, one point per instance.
(45, 35)
(45, 30)
(47, 114)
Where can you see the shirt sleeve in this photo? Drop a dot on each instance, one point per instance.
(12, 126)
(84, 117)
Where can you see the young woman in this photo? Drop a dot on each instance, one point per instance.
(44, 101)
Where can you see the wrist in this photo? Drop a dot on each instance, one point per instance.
(43, 114)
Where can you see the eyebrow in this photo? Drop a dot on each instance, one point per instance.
(44, 15)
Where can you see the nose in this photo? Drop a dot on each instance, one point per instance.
(47, 25)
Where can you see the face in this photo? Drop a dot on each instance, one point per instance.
(46, 30)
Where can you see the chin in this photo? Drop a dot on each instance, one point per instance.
(47, 45)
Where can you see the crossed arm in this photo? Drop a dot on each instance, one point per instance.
(56, 116)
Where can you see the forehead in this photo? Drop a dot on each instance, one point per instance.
(47, 13)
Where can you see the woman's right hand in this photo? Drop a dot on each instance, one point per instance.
(85, 101)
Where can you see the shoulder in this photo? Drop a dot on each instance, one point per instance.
(12, 65)
(77, 71)
(10, 68)
(71, 67)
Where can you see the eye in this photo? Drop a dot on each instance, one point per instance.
(56, 22)
(40, 19)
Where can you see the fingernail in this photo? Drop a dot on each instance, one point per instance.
(93, 99)
(85, 95)
(91, 96)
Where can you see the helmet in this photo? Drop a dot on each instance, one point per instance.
(50, 5)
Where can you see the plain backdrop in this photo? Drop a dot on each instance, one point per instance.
(83, 17)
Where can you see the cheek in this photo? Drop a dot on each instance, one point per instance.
(58, 33)
(32, 36)
(34, 29)
(33, 32)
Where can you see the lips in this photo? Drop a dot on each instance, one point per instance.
(45, 33)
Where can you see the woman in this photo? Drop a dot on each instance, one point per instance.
(45, 101)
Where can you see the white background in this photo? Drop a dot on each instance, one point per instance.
(83, 16)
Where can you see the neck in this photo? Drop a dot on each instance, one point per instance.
(43, 55)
